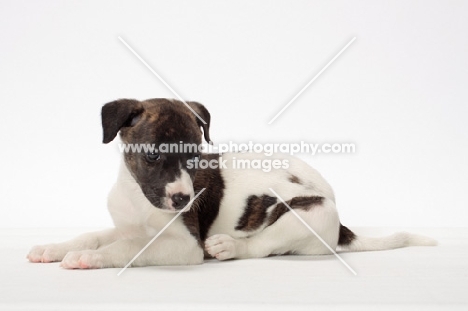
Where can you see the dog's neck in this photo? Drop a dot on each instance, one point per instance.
(139, 211)
(125, 175)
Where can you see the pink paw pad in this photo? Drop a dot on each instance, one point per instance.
(83, 265)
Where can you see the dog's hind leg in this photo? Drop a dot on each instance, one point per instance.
(57, 251)
(287, 235)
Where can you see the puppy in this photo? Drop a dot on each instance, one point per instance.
(236, 215)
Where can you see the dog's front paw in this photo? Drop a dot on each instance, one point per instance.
(47, 253)
(221, 246)
(82, 260)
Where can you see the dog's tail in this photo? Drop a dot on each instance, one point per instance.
(348, 241)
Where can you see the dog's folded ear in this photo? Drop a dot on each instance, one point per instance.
(205, 115)
(118, 114)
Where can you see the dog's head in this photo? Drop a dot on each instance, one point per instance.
(164, 177)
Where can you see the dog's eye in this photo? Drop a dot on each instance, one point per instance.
(153, 156)
(196, 157)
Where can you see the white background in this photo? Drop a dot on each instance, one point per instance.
(399, 93)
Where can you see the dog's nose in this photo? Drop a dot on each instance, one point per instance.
(180, 200)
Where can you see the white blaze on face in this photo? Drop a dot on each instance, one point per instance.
(183, 184)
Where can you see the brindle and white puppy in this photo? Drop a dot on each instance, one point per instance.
(235, 217)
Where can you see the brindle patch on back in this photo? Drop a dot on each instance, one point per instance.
(256, 214)
(294, 179)
(304, 203)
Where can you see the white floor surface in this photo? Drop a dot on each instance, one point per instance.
(409, 278)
